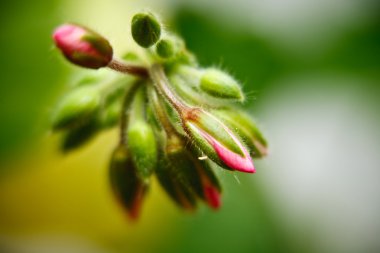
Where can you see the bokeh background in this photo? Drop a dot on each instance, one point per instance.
(311, 69)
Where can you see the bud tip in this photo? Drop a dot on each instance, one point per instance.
(212, 196)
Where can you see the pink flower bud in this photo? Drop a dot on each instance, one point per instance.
(218, 142)
(82, 46)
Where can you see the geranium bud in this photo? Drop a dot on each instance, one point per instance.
(141, 138)
(176, 189)
(246, 128)
(169, 46)
(196, 175)
(217, 141)
(146, 29)
(126, 185)
(219, 84)
(165, 48)
(83, 46)
(76, 108)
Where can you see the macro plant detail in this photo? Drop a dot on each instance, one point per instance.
(177, 121)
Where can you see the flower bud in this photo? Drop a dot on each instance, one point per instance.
(196, 175)
(246, 128)
(126, 185)
(146, 29)
(141, 138)
(217, 141)
(76, 108)
(165, 48)
(142, 145)
(176, 189)
(169, 47)
(83, 46)
(218, 84)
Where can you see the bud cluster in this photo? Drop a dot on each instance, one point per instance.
(177, 120)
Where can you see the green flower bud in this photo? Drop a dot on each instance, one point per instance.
(169, 47)
(128, 188)
(195, 174)
(178, 192)
(246, 128)
(141, 138)
(146, 29)
(218, 84)
(142, 145)
(76, 108)
(174, 184)
(165, 48)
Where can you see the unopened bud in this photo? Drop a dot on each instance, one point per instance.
(83, 46)
(141, 138)
(196, 175)
(169, 47)
(142, 145)
(146, 29)
(175, 188)
(126, 185)
(76, 108)
(218, 84)
(217, 141)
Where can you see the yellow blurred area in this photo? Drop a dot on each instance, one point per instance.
(55, 193)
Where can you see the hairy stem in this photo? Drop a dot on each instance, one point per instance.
(160, 112)
(128, 68)
(124, 118)
(161, 84)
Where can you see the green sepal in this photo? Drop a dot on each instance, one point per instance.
(99, 43)
(246, 128)
(200, 122)
(146, 29)
(214, 127)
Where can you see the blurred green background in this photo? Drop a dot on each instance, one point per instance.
(311, 70)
